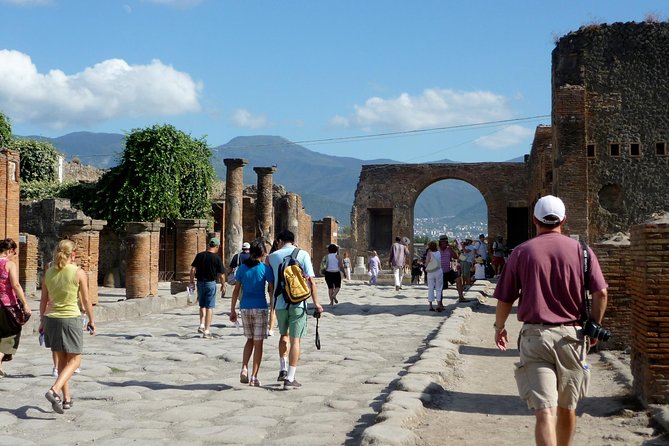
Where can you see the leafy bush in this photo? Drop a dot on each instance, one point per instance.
(38, 160)
(5, 130)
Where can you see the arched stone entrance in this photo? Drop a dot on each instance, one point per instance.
(386, 195)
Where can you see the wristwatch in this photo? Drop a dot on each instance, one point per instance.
(494, 325)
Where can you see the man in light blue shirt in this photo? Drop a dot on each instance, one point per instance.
(291, 318)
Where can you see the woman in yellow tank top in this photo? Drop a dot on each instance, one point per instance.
(65, 284)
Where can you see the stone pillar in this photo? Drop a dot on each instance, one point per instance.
(360, 267)
(28, 262)
(289, 214)
(9, 194)
(142, 242)
(234, 186)
(649, 285)
(264, 203)
(86, 236)
(191, 238)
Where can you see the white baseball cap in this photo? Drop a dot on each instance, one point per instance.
(549, 210)
(246, 245)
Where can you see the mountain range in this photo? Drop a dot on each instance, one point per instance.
(326, 183)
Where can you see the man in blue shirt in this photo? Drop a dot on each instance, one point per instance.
(292, 318)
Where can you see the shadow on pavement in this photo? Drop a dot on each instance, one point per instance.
(22, 412)
(154, 385)
(485, 351)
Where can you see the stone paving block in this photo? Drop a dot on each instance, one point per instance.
(388, 434)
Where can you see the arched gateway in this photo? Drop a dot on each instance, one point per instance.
(386, 195)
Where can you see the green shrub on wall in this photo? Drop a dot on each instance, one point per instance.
(38, 160)
(164, 173)
(5, 130)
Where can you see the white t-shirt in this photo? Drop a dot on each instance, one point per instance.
(479, 271)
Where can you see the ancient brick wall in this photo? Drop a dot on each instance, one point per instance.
(609, 116)
(304, 235)
(249, 219)
(649, 283)
(28, 261)
(387, 194)
(617, 262)
(142, 242)
(9, 194)
(540, 167)
(324, 234)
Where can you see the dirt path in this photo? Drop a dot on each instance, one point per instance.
(480, 405)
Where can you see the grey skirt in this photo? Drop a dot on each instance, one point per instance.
(64, 334)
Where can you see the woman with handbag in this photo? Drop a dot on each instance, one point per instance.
(435, 279)
(65, 284)
(10, 290)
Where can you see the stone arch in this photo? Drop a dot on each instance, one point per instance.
(387, 193)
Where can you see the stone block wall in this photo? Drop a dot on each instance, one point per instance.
(617, 262)
(305, 230)
(650, 310)
(540, 166)
(609, 113)
(9, 194)
(324, 234)
(28, 261)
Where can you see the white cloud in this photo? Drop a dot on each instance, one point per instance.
(243, 118)
(110, 89)
(508, 136)
(433, 108)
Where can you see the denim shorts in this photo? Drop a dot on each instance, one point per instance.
(552, 370)
(206, 294)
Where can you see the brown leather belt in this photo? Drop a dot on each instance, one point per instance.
(555, 324)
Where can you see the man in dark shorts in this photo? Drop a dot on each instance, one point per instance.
(450, 276)
(552, 374)
(207, 267)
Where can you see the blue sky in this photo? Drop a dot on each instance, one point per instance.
(366, 78)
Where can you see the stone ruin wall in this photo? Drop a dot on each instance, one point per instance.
(609, 87)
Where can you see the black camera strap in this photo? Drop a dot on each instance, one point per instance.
(586, 280)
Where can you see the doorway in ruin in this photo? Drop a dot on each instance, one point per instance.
(451, 207)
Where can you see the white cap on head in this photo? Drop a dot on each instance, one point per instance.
(246, 245)
(549, 210)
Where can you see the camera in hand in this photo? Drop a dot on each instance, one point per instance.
(593, 330)
(317, 314)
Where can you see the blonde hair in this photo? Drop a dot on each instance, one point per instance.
(63, 253)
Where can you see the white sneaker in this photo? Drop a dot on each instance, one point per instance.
(54, 372)
(77, 371)
(270, 332)
(200, 329)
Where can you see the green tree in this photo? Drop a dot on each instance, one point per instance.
(164, 173)
(5, 130)
(38, 160)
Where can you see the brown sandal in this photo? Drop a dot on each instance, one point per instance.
(67, 404)
(54, 399)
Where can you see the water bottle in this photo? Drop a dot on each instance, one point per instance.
(84, 318)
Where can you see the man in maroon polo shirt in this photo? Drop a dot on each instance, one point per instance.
(552, 374)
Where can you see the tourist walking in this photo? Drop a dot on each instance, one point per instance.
(374, 264)
(481, 248)
(552, 373)
(434, 276)
(398, 255)
(332, 273)
(346, 261)
(498, 253)
(466, 264)
(449, 275)
(237, 260)
(11, 293)
(292, 318)
(67, 286)
(252, 277)
(206, 268)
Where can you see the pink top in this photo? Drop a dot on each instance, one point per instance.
(549, 269)
(446, 255)
(7, 294)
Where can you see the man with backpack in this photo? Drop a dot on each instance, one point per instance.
(291, 316)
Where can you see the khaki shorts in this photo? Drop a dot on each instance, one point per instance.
(552, 370)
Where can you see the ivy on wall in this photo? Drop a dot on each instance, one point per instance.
(5, 130)
(164, 173)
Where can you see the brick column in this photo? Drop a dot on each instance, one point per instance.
(649, 283)
(191, 238)
(86, 236)
(264, 203)
(9, 194)
(288, 214)
(234, 187)
(142, 242)
(28, 260)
